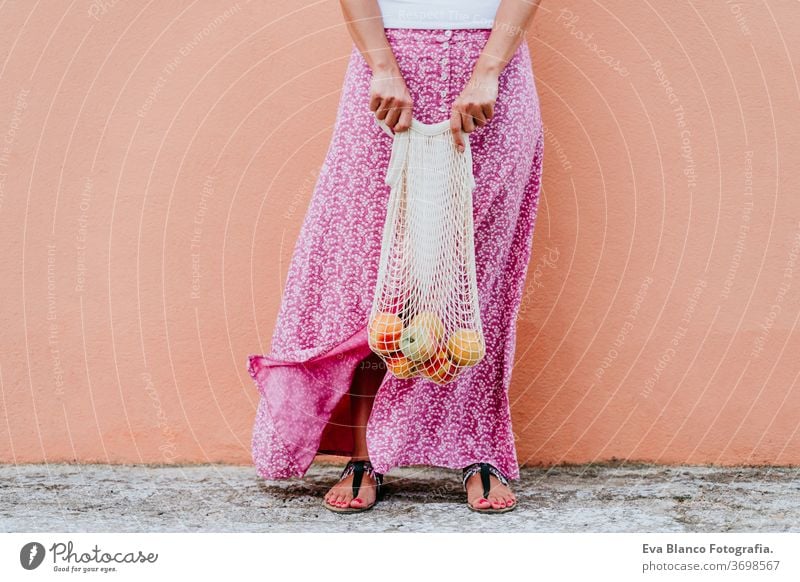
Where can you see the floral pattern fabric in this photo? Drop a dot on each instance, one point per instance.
(320, 337)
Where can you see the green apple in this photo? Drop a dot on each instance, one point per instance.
(417, 343)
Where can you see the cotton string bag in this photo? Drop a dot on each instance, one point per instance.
(425, 318)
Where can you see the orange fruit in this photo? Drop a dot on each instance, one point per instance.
(384, 333)
(401, 367)
(439, 368)
(465, 347)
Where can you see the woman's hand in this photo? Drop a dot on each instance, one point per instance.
(474, 107)
(390, 99)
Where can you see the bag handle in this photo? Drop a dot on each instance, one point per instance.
(400, 147)
(382, 124)
(423, 128)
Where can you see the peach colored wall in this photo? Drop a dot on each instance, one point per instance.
(156, 160)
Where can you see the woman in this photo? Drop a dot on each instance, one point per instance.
(322, 390)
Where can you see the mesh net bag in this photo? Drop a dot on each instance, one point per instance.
(425, 320)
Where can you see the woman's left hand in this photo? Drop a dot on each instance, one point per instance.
(474, 107)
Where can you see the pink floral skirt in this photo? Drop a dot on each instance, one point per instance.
(320, 337)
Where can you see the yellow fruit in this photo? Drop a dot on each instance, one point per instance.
(465, 347)
(384, 333)
(431, 322)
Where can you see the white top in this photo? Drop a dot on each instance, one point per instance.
(438, 13)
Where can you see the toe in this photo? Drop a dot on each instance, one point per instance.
(481, 503)
(496, 502)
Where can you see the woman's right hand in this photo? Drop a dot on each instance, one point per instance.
(390, 99)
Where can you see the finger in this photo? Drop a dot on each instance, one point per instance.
(488, 111)
(467, 122)
(374, 102)
(479, 118)
(386, 106)
(392, 117)
(383, 109)
(405, 120)
(455, 129)
(380, 113)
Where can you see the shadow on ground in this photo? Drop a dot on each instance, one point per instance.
(224, 498)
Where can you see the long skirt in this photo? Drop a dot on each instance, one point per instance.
(320, 337)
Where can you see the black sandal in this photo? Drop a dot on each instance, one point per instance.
(485, 469)
(357, 469)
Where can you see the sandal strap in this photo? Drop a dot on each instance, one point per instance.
(357, 469)
(485, 469)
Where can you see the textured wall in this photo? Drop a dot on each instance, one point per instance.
(156, 161)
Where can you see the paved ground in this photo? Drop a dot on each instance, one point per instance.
(223, 498)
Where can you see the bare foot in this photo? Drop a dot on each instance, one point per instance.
(500, 496)
(341, 494)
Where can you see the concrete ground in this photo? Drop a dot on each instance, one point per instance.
(223, 498)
